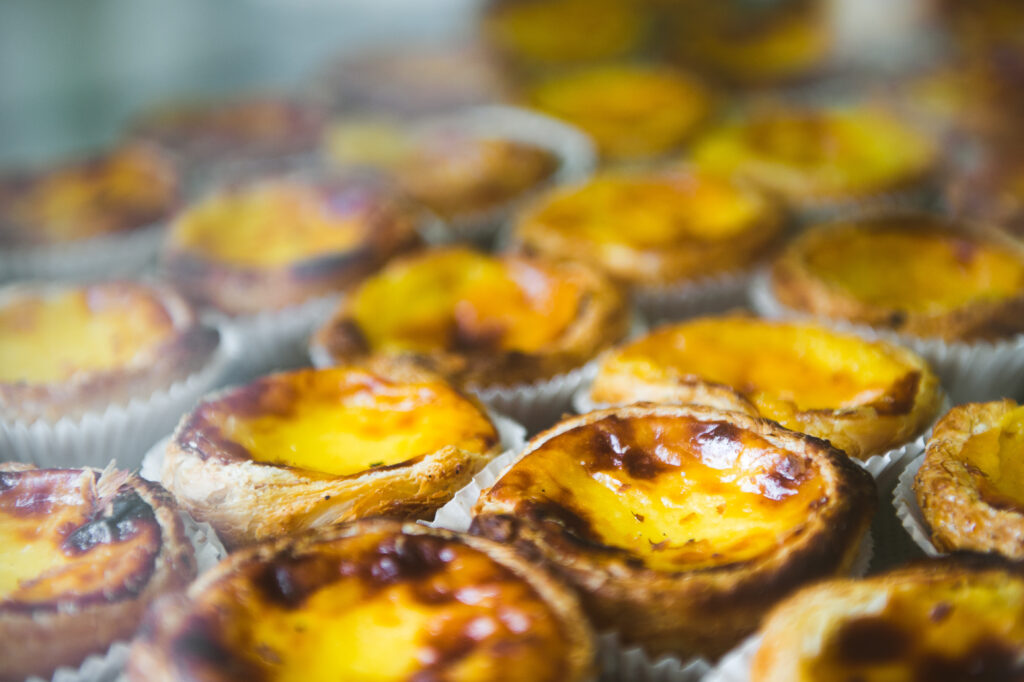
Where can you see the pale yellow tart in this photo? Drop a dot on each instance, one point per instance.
(265, 225)
(631, 111)
(47, 339)
(675, 501)
(930, 621)
(813, 156)
(653, 228)
(313, 447)
(370, 602)
(864, 397)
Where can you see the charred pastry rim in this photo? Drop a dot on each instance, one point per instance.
(217, 480)
(947, 489)
(36, 638)
(172, 630)
(796, 633)
(704, 611)
(603, 318)
(796, 285)
(185, 351)
(905, 409)
(688, 259)
(237, 289)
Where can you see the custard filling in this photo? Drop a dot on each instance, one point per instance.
(274, 223)
(995, 458)
(381, 607)
(459, 299)
(51, 338)
(916, 269)
(676, 493)
(343, 421)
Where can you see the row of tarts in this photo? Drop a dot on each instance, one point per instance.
(740, 470)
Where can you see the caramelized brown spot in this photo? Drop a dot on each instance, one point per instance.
(988, 659)
(870, 640)
(127, 512)
(611, 451)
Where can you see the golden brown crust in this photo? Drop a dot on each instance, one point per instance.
(691, 612)
(949, 487)
(797, 286)
(104, 600)
(187, 349)
(471, 360)
(217, 480)
(178, 635)
(388, 227)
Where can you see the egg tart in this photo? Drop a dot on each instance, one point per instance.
(308, 448)
(680, 525)
(970, 486)
(914, 274)
(864, 397)
(477, 319)
(272, 243)
(654, 228)
(632, 111)
(131, 187)
(374, 600)
(66, 350)
(957, 619)
(84, 553)
(814, 158)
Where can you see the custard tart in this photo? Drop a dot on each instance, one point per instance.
(66, 350)
(819, 157)
(959, 619)
(477, 319)
(374, 600)
(308, 448)
(633, 111)
(914, 274)
(129, 188)
(84, 553)
(654, 228)
(680, 526)
(276, 242)
(864, 397)
(970, 486)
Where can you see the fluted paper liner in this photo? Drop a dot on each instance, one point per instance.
(714, 294)
(908, 511)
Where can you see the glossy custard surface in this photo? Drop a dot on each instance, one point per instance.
(916, 268)
(61, 537)
(457, 298)
(341, 421)
(969, 627)
(777, 366)
(821, 152)
(48, 338)
(379, 606)
(674, 492)
(995, 459)
(275, 223)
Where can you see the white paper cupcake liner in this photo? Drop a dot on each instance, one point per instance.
(970, 372)
(108, 666)
(109, 256)
(689, 299)
(119, 433)
(909, 512)
(735, 665)
(540, 403)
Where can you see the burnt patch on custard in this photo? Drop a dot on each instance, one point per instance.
(126, 516)
(610, 449)
(988, 659)
(870, 640)
(289, 581)
(899, 399)
(198, 650)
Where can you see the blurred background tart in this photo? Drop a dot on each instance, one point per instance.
(680, 526)
(372, 600)
(85, 552)
(296, 450)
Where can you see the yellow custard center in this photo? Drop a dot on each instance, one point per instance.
(997, 457)
(375, 613)
(269, 224)
(773, 365)
(343, 421)
(46, 339)
(459, 299)
(826, 152)
(652, 212)
(967, 628)
(678, 493)
(916, 269)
